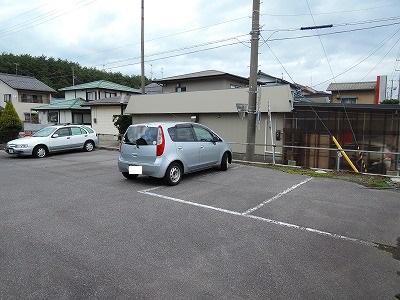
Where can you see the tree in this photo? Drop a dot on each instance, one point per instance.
(122, 122)
(10, 124)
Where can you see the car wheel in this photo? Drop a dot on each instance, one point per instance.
(224, 162)
(129, 176)
(89, 146)
(40, 152)
(173, 175)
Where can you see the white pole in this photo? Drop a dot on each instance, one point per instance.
(270, 128)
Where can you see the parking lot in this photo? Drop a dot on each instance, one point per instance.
(73, 227)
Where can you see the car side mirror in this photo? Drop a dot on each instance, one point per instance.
(215, 139)
(55, 135)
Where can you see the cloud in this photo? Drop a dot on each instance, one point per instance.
(95, 33)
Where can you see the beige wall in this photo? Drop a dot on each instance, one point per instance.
(104, 119)
(363, 97)
(229, 126)
(202, 85)
(5, 89)
(217, 101)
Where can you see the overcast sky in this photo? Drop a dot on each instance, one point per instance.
(106, 34)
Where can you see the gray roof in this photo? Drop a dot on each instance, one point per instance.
(206, 73)
(112, 101)
(352, 86)
(102, 84)
(20, 82)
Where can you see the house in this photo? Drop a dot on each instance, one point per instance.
(25, 92)
(103, 111)
(61, 111)
(353, 92)
(153, 88)
(301, 93)
(97, 90)
(218, 110)
(201, 81)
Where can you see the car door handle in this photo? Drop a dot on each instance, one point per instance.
(68, 138)
(201, 147)
(180, 147)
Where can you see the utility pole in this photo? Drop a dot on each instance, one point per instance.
(142, 47)
(73, 76)
(391, 90)
(16, 68)
(251, 117)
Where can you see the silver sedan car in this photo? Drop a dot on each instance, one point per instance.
(169, 150)
(54, 139)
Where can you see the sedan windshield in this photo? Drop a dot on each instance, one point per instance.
(44, 132)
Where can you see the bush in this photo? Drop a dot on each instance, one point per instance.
(10, 124)
(122, 122)
(390, 101)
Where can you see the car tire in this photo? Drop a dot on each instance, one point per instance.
(224, 162)
(89, 146)
(129, 176)
(174, 173)
(40, 151)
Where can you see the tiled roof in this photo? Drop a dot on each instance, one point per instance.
(206, 73)
(61, 104)
(20, 82)
(352, 86)
(108, 101)
(102, 84)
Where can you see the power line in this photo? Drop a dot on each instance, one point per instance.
(331, 33)
(383, 57)
(47, 17)
(177, 55)
(171, 35)
(325, 13)
(381, 44)
(176, 50)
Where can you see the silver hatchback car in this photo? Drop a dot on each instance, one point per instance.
(170, 149)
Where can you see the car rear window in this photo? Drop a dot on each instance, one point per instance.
(181, 134)
(141, 135)
(88, 129)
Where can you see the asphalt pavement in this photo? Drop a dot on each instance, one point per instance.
(72, 227)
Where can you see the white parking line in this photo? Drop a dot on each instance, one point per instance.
(275, 222)
(249, 211)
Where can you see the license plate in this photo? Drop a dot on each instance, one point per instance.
(137, 170)
(10, 150)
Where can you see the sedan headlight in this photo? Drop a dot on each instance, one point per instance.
(22, 146)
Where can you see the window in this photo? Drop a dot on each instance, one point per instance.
(44, 132)
(349, 100)
(31, 98)
(77, 131)
(180, 89)
(7, 97)
(63, 131)
(91, 95)
(31, 118)
(141, 135)
(52, 117)
(203, 134)
(88, 129)
(183, 133)
(81, 118)
(109, 94)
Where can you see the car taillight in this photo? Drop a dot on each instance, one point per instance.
(160, 141)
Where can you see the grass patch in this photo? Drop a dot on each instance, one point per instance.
(370, 181)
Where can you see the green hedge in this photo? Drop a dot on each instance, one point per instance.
(10, 124)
